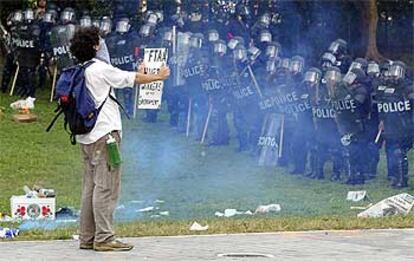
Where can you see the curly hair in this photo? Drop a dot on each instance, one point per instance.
(83, 43)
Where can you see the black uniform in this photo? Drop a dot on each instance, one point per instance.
(327, 138)
(28, 56)
(59, 43)
(352, 106)
(304, 132)
(395, 109)
(123, 49)
(10, 59)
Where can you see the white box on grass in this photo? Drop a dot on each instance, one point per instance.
(32, 208)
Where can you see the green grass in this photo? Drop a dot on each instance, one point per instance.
(193, 180)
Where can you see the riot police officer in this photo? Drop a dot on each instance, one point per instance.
(395, 108)
(326, 133)
(352, 105)
(28, 53)
(60, 38)
(123, 47)
(14, 22)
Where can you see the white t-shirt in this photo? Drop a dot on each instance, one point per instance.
(100, 77)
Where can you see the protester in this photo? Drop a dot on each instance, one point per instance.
(101, 182)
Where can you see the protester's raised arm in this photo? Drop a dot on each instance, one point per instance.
(142, 78)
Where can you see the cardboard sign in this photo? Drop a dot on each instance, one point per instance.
(400, 204)
(150, 94)
(356, 195)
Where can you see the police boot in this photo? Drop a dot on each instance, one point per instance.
(349, 173)
(402, 180)
(319, 174)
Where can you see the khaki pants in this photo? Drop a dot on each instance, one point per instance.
(100, 191)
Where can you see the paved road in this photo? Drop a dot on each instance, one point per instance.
(362, 245)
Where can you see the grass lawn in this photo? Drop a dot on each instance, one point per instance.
(193, 181)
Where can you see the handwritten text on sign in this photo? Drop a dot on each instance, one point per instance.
(150, 94)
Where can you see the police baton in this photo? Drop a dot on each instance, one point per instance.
(210, 110)
(282, 133)
(15, 78)
(256, 85)
(380, 130)
(52, 92)
(190, 105)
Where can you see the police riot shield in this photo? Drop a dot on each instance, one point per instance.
(60, 45)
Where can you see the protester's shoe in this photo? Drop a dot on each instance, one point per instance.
(86, 246)
(114, 245)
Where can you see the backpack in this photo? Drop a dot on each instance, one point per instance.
(76, 102)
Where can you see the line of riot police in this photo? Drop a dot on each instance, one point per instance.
(229, 72)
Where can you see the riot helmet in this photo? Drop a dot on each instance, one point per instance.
(240, 53)
(151, 18)
(196, 40)
(273, 50)
(123, 26)
(397, 70)
(50, 16)
(297, 64)
(353, 76)
(373, 69)
(67, 15)
(312, 76)
(232, 44)
(167, 37)
(284, 64)
(105, 25)
(333, 74)
(213, 35)
(339, 46)
(265, 36)
(17, 16)
(146, 30)
(271, 66)
(328, 60)
(28, 15)
(85, 21)
(220, 47)
(160, 16)
(254, 53)
(96, 22)
(184, 39)
(265, 20)
(359, 63)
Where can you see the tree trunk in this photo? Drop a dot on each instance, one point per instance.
(370, 20)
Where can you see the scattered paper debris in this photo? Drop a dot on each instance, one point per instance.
(362, 207)
(20, 104)
(197, 227)
(400, 204)
(75, 237)
(268, 208)
(356, 196)
(136, 202)
(219, 214)
(231, 212)
(248, 212)
(164, 213)
(147, 209)
(8, 232)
